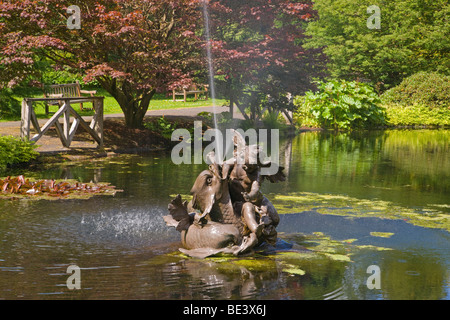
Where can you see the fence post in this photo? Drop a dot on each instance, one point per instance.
(99, 116)
(25, 121)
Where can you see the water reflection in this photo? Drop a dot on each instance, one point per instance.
(125, 250)
(405, 275)
(408, 167)
(265, 279)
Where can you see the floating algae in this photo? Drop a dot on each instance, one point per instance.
(381, 234)
(341, 205)
(306, 254)
(292, 269)
(255, 264)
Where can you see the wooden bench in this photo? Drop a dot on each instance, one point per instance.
(65, 91)
(193, 89)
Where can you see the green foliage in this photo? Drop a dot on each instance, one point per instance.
(162, 126)
(303, 116)
(413, 36)
(206, 115)
(9, 107)
(417, 115)
(425, 88)
(51, 76)
(15, 151)
(224, 118)
(273, 120)
(342, 105)
(246, 124)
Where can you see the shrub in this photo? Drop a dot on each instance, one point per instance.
(341, 105)
(162, 126)
(208, 116)
(303, 115)
(417, 115)
(15, 151)
(9, 107)
(424, 88)
(273, 120)
(223, 119)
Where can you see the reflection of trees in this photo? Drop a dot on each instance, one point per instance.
(422, 155)
(362, 164)
(404, 275)
(390, 165)
(413, 277)
(332, 159)
(146, 178)
(344, 154)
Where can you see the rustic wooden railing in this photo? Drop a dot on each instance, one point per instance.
(67, 129)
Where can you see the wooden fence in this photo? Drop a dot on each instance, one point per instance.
(67, 129)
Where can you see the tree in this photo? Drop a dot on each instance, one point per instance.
(413, 36)
(257, 50)
(131, 48)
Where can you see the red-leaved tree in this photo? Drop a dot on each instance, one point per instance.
(133, 48)
(258, 53)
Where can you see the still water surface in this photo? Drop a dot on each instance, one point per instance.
(366, 192)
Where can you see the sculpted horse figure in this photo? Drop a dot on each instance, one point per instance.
(228, 213)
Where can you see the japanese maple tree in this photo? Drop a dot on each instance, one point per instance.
(257, 49)
(133, 49)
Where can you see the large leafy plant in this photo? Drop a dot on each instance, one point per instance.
(343, 105)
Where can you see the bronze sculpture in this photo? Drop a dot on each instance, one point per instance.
(228, 213)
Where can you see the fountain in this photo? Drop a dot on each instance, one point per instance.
(228, 213)
(209, 59)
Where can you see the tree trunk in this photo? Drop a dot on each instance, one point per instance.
(133, 109)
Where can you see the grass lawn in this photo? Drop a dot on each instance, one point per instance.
(159, 102)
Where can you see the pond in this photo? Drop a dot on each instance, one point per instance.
(351, 201)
